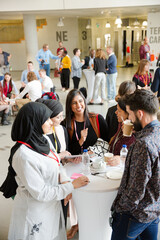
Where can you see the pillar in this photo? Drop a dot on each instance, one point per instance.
(31, 40)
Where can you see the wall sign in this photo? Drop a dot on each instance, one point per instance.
(153, 33)
(84, 35)
(61, 36)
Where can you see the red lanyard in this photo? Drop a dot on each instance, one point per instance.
(77, 134)
(55, 157)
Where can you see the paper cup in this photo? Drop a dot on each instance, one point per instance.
(108, 156)
(127, 128)
(97, 163)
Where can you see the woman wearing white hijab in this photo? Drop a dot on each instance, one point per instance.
(37, 212)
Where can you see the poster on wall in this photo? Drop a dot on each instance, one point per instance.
(153, 33)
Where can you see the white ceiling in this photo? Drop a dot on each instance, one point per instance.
(125, 12)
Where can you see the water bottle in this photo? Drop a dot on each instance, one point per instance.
(123, 155)
(86, 162)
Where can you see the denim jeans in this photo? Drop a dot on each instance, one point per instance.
(126, 227)
(111, 85)
(46, 67)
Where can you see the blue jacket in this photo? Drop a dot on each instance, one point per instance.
(112, 62)
(5, 54)
(156, 82)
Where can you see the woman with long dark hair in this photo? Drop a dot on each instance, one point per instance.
(8, 86)
(35, 168)
(83, 127)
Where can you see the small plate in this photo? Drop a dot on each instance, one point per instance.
(115, 175)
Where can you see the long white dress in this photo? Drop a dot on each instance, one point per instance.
(37, 212)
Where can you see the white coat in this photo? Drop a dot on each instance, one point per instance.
(37, 212)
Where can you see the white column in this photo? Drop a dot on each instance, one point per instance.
(31, 40)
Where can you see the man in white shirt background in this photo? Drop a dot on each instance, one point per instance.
(47, 83)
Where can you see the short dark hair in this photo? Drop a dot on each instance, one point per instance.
(142, 100)
(75, 50)
(65, 52)
(69, 113)
(30, 62)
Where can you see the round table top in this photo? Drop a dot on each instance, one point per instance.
(98, 183)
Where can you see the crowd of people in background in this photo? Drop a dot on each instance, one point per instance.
(40, 186)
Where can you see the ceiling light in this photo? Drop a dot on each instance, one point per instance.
(118, 25)
(108, 25)
(60, 23)
(128, 26)
(89, 24)
(144, 24)
(118, 21)
(136, 27)
(136, 22)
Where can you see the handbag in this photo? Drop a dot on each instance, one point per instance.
(99, 148)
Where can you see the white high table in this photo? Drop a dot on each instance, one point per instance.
(93, 203)
(90, 78)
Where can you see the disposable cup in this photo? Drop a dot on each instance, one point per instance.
(127, 128)
(108, 156)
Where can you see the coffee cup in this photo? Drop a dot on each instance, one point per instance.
(108, 156)
(127, 128)
(98, 163)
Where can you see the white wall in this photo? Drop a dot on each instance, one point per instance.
(48, 35)
(45, 35)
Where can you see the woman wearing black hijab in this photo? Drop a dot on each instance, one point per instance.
(37, 212)
(59, 135)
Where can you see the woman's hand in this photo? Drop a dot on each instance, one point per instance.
(81, 181)
(114, 161)
(75, 160)
(66, 200)
(64, 154)
(84, 134)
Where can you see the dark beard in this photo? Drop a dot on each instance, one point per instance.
(137, 125)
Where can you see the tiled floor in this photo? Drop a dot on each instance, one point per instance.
(6, 142)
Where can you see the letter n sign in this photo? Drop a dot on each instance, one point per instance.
(61, 36)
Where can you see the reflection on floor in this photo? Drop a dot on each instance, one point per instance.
(6, 142)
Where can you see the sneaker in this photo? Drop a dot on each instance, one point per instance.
(67, 90)
(5, 123)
